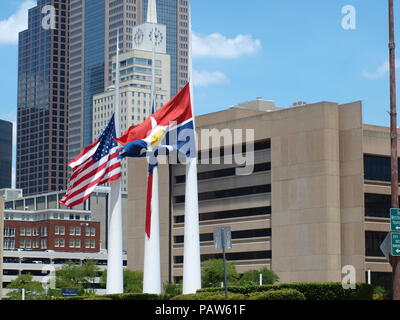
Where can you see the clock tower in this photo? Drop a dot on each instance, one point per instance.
(144, 34)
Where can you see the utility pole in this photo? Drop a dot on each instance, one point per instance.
(393, 143)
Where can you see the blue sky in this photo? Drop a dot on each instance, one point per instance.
(281, 50)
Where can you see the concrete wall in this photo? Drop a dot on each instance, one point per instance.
(352, 188)
(306, 242)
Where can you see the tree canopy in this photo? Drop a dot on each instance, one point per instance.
(33, 289)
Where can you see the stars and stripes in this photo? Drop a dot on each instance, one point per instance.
(95, 165)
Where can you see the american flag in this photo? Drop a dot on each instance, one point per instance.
(97, 164)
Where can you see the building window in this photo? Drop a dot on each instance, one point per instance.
(22, 232)
(29, 232)
(62, 242)
(252, 255)
(93, 231)
(28, 244)
(9, 232)
(87, 232)
(87, 244)
(77, 243)
(56, 230)
(241, 234)
(36, 231)
(92, 244)
(373, 240)
(35, 244)
(44, 231)
(240, 213)
(221, 194)
(44, 243)
(56, 242)
(62, 230)
(377, 168)
(9, 244)
(22, 244)
(377, 205)
(72, 243)
(78, 231)
(71, 231)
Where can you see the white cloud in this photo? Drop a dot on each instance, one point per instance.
(18, 21)
(217, 45)
(204, 78)
(381, 71)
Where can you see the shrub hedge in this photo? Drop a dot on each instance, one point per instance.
(284, 294)
(284, 291)
(210, 296)
(312, 291)
(125, 296)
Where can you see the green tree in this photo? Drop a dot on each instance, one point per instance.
(33, 289)
(133, 281)
(212, 273)
(78, 276)
(173, 289)
(252, 277)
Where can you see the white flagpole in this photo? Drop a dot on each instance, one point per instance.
(152, 261)
(115, 281)
(191, 260)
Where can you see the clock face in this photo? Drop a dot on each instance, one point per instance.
(139, 37)
(158, 36)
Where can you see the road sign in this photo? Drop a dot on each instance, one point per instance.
(69, 292)
(395, 244)
(222, 238)
(395, 219)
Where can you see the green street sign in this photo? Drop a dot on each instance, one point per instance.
(395, 219)
(396, 244)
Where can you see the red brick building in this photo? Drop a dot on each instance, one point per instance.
(58, 230)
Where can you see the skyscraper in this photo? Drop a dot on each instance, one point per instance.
(43, 99)
(5, 153)
(175, 15)
(94, 25)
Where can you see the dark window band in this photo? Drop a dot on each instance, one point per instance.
(223, 173)
(255, 255)
(221, 194)
(242, 234)
(248, 212)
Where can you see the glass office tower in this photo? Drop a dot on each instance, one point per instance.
(94, 25)
(42, 101)
(5, 153)
(94, 60)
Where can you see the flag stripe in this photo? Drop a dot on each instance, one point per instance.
(93, 169)
(96, 164)
(94, 179)
(84, 155)
(88, 188)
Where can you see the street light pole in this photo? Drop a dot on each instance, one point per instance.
(393, 143)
